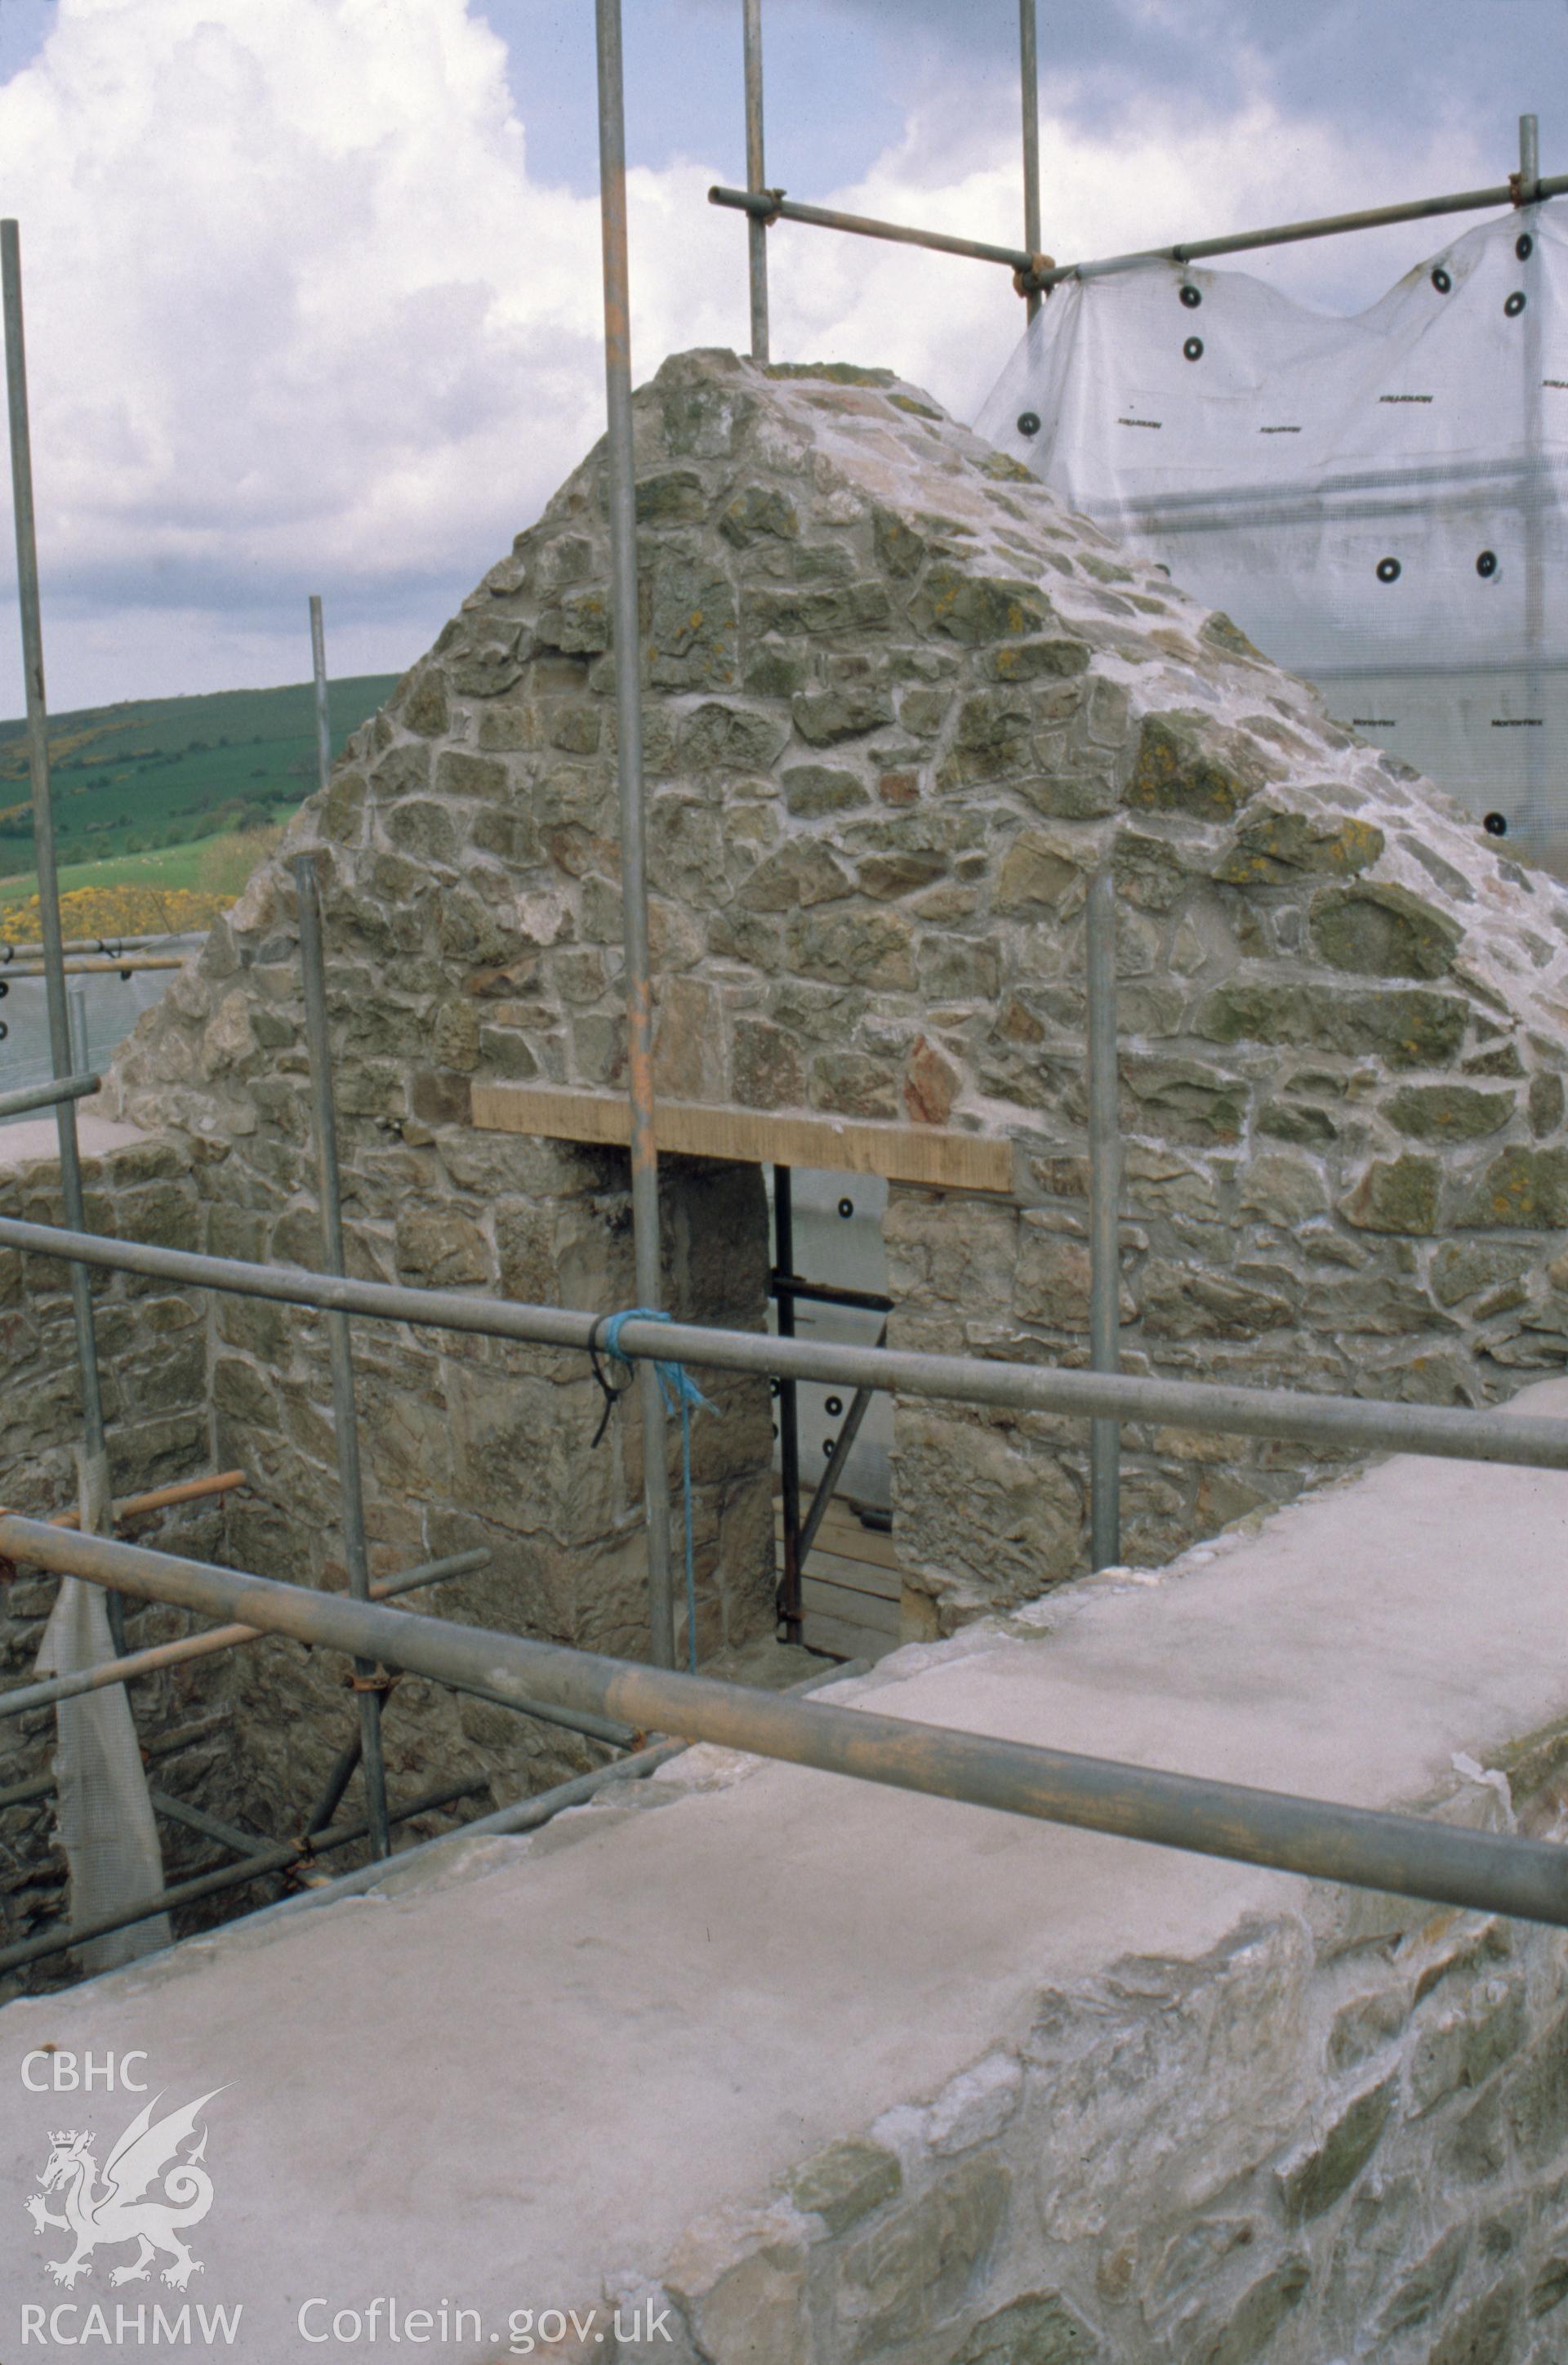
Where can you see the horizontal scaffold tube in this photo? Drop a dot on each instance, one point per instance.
(772, 205)
(91, 965)
(255, 1865)
(1247, 242)
(34, 950)
(531, 1814)
(1523, 1441)
(48, 1095)
(1367, 1848)
(161, 1655)
(1036, 273)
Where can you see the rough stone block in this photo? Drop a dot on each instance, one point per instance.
(901, 2280)
(1384, 932)
(1323, 2168)
(1397, 1196)
(846, 2183)
(1041, 2328)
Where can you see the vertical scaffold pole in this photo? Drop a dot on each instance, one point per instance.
(77, 1001)
(323, 713)
(790, 1591)
(755, 178)
(621, 501)
(345, 1418)
(49, 931)
(1104, 1197)
(1029, 85)
(1536, 817)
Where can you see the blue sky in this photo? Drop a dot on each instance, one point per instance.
(313, 286)
(1388, 69)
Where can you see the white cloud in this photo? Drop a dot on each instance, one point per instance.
(950, 323)
(299, 319)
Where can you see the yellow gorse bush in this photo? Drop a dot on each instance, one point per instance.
(129, 911)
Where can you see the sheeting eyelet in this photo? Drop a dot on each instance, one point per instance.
(1193, 349)
(1028, 423)
(1486, 564)
(846, 1208)
(1192, 297)
(1524, 246)
(1496, 824)
(1441, 281)
(1515, 305)
(1389, 570)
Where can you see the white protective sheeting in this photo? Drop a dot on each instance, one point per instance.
(838, 1238)
(106, 1823)
(1378, 502)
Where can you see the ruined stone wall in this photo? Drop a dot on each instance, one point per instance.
(153, 1359)
(469, 1442)
(899, 708)
(1340, 2134)
(464, 1441)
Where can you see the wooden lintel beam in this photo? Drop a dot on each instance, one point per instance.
(933, 1155)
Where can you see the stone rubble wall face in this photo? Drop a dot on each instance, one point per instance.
(1340, 2134)
(899, 707)
(152, 1350)
(470, 1442)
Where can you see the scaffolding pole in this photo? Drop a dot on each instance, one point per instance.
(621, 501)
(1029, 91)
(54, 968)
(92, 964)
(160, 1655)
(1105, 1229)
(755, 178)
(345, 1418)
(1035, 274)
(108, 946)
(529, 1814)
(1465, 201)
(33, 1096)
(1350, 1424)
(1320, 1839)
(791, 1598)
(771, 204)
(164, 1498)
(323, 711)
(255, 1865)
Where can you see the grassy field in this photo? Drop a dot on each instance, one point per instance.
(157, 776)
(162, 893)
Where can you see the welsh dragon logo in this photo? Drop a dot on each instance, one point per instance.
(106, 2216)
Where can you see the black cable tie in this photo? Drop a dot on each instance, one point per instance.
(612, 1396)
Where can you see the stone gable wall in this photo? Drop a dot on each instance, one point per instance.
(899, 707)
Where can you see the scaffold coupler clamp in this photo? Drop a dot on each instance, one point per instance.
(1032, 282)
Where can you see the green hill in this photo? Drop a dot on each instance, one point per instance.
(160, 772)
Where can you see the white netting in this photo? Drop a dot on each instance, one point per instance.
(105, 1816)
(1379, 501)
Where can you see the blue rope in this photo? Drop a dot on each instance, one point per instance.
(680, 1394)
